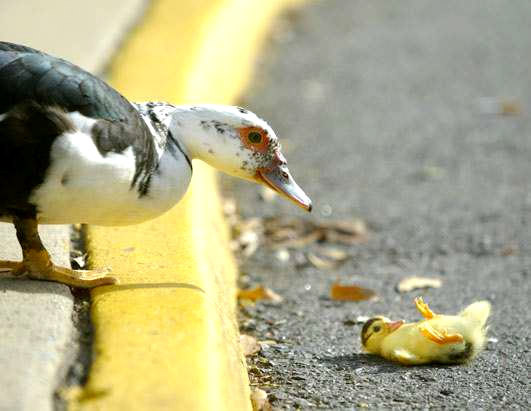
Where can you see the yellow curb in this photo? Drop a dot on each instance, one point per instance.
(167, 336)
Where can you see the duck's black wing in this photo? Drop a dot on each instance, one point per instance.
(29, 75)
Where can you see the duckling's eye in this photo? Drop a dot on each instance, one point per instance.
(255, 137)
(377, 328)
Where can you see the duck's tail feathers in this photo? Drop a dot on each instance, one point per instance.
(478, 311)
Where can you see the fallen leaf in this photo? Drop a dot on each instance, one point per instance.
(320, 262)
(413, 283)
(298, 233)
(259, 293)
(259, 400)
(354, 227)
(335, 254)
(299, 242)
(328, 258)
(249, 345)
(341, 292)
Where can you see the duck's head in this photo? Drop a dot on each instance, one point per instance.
(375, 330)
(237, 142)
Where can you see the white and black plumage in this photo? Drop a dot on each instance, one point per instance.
(73, 150)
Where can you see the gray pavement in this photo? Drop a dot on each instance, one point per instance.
(36, 318)
(380, 108)
(35, 327)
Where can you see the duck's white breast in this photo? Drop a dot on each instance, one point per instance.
(83, 186)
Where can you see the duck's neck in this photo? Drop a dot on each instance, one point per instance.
(206, 133)
(200, 132)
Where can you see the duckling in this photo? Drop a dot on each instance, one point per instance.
(447, 339)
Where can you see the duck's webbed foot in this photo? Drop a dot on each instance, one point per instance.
(37, 264)
(40, 267)
(440, 337)
(424, 309)
(15, 268)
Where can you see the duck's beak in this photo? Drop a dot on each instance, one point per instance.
(395, 325)
(278, 178)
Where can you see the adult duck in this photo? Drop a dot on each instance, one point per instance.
(73, 150)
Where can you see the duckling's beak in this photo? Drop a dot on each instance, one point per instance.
(395, 325)
(279, 179)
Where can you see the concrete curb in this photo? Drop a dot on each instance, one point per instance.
(167, 337)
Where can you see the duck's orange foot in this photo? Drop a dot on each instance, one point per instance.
(440, 337)
(37, 265)
(75, 278)
(14, 268)
(424, 309)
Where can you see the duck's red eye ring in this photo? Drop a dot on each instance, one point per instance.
(254, 138)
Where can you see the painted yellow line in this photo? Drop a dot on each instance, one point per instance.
(167, 336)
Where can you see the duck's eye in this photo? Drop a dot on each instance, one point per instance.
(255, 137)
(377, 328)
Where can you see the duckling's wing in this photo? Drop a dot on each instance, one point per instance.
(405, 357)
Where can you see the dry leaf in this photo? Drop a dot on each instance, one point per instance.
(259, 293)
(320, 262)
(249, 345)
(298, 242)
(328, 258)
(335, 254)
(259, 400)
(298, 233)
(413, 283)
(341, 292)
(354, 227)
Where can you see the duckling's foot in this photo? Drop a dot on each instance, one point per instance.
(424, 309)
(440, 337)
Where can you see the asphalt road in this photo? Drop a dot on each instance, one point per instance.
(381, 109)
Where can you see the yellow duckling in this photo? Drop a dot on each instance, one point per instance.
(449, 339)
